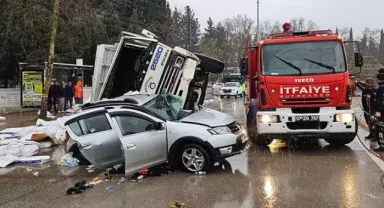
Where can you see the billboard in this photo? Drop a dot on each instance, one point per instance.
(32, 88)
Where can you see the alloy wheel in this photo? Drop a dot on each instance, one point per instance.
(193, 159)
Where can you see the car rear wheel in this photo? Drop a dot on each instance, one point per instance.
(77, 154)
(194, 158)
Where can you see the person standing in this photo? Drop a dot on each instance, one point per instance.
(52, 96)
(78, 93)
(380, 107)
(69, 94)
(244, 89)
(61, 97)
(368, 102)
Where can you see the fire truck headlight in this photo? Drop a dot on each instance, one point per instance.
(179, 62)
(267, 119)
(345, 117)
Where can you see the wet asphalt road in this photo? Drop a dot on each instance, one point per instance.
(297, 174)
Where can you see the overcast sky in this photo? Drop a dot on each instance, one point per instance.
(326, 13)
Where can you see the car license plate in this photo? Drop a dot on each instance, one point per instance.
(307, 118)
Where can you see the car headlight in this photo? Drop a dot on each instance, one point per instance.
(345, 117)
(268, 119)
(220, 130)
(179, 62)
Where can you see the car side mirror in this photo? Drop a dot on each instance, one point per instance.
(359, 59)
(244, 66)
(160, 126)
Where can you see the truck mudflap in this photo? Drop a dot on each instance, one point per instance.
(326, 123)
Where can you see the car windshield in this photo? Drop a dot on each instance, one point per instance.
(165, 105)
(303, 58)
(230, 84)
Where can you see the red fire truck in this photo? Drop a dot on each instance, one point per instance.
(299, 88)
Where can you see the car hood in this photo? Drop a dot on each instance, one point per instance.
(209, 117)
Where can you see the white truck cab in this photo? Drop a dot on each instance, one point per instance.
(141, 63)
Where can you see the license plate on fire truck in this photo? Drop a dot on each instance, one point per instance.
(307, 118)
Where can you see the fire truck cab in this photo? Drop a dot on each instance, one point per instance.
(299, 87)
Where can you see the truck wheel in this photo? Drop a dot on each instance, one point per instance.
(341, 141)
(345, 140)
(252, 128)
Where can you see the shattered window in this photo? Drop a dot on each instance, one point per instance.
(133, 125)
(95, 124)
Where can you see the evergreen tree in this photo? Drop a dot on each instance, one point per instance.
(337, 31)
(190, 28)
(381, 46)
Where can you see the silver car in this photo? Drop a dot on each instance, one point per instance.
(143, 131)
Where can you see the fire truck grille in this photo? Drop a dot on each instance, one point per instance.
(305, 101)
(306, 125)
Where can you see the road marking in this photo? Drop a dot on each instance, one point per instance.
(378, 162)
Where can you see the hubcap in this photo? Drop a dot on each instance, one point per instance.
(193, 159)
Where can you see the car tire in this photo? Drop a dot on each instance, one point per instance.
(221, 96)
(236, 96)
(198, 152)
(228, 96)
(77, 154)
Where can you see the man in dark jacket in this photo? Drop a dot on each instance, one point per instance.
(69, 93)
(380, 108)
(61, 97)
(52, 96)
(368, 102)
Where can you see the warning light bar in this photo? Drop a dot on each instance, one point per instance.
(301, 34)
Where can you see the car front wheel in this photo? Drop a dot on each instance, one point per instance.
(194, 158)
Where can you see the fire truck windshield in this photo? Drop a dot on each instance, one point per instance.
(303, 58)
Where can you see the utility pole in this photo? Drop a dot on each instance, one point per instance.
(257, 27)
(51, 57)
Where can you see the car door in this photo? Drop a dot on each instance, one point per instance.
(96, 139)
(143, 138)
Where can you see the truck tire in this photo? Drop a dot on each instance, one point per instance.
(252, 126)
(343, 141)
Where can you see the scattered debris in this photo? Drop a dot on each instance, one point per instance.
(200, 173)
(2, 118)
(109, 188)
(52, 180)
(79, 187)
(68, 160)
(90, 170)
(178, 205)
(123, 179)
(96, 179)
(371, 195)
(28, 170)
(35, 173)
(144, 171)
(107, 176)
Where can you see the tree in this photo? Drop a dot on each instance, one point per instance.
(337, 31)
(381, 46)
(51, 57)
(190, 28)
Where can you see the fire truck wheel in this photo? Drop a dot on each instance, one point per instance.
(340, 141)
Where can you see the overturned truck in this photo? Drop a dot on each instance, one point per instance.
(141, 63)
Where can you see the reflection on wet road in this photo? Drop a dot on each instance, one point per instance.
(285, 174)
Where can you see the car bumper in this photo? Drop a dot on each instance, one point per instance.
(240, 145)
(324, 127)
